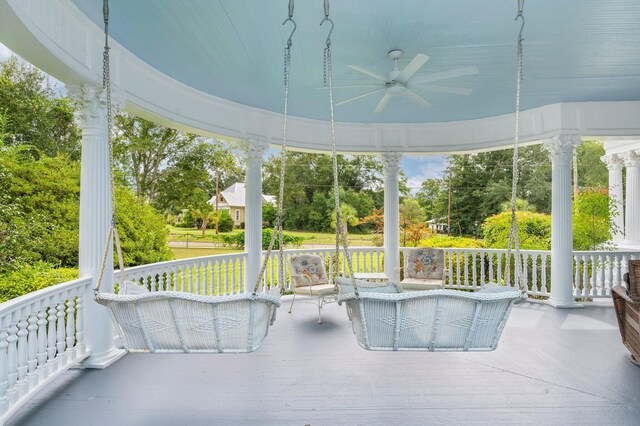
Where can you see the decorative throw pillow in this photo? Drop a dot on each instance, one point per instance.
(131, 288)
(307, 270)
(424, 263)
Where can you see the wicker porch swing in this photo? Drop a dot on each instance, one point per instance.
(385, 319)
(172, 321)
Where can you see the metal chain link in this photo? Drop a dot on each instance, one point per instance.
(340, 231)
(514, 240)
(278, 227)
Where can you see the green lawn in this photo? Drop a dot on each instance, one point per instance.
(311, 238)
(185, 253)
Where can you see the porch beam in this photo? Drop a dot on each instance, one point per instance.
(391, 162)
(254, 152)
(95, 219)
(561, 150)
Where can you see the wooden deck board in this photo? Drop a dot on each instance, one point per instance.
(552, 366)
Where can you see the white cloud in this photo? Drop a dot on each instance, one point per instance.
(420, 168)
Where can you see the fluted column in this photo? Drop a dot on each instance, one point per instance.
(254, 152)
(95, 219)
(632, 190)
(391, 162)
(561, 149)
(615, 165)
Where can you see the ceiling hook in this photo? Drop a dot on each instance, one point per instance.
(327, 19)
(289, 42)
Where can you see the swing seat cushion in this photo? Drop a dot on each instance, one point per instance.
(421, 284)
(315, 290)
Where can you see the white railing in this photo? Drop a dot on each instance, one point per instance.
(41, 336)
(470, 268)
(596, 272)
(210, 275)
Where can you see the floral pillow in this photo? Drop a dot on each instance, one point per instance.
(307, 270)
(424, 263)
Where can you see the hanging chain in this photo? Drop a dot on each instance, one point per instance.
(514, 241)
(340, 231)
(278, 227)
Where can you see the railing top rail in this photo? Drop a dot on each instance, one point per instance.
(142, 268)
(616, 252)
(20, 302)
(485, 250)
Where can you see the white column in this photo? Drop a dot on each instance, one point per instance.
(95, 218)
(632, 191)
(391, 162)
(615, 165)
(254, 151)
(561, 149)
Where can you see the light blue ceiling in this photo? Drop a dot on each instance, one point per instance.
(575, 50)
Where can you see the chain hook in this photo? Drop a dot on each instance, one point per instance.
(327, 19)
(290, 19)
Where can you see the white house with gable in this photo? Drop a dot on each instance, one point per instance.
(233, 199)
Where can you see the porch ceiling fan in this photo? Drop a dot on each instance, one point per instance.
(401, 82)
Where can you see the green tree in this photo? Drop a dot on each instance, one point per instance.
(348, 216)
(593, 224)
(33, 112)
(592, 172)
(431, 197)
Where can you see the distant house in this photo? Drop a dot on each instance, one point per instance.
(232, 199)
(437, 225)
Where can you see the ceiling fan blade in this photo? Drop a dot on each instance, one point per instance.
(418, 61)
(419, 99)
(383, 101)
(368, 72)
(447, 89)
(444, 75)
(359, 96)
(349, 86)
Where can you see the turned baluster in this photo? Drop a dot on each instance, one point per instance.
(60, 332)
(42, 343)
(12, 361)
(71, 340)
(52, 363)
(3, 367)
(21, 383)
(80, 321)
(32, 344)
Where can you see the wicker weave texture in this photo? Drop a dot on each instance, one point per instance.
(634, 279)
(628, 314)
(166, 322)
(438, 320)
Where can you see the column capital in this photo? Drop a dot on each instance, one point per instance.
(562, 147)
(254, 149)
(92, 100)
(391, 161)
(631, 159)
(613, 162)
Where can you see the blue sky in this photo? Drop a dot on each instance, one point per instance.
(416, 167)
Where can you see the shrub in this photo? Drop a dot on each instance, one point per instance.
(237, 240)
(33, 277)
(444, 241)
(143, 234)
(534, 230)
(226, 222)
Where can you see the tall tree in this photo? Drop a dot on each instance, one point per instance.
(142, 149)
(34, 113)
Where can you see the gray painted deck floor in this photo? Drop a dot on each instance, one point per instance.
(551, 367)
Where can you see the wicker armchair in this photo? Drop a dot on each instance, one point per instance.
(309, 278)
(423, 269)
(627, 305)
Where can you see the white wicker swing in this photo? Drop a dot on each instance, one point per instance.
(385, 319)
(172, 321)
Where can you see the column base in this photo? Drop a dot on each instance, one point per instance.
(563, 304)
(104, 359)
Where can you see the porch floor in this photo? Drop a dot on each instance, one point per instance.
(551, 367)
